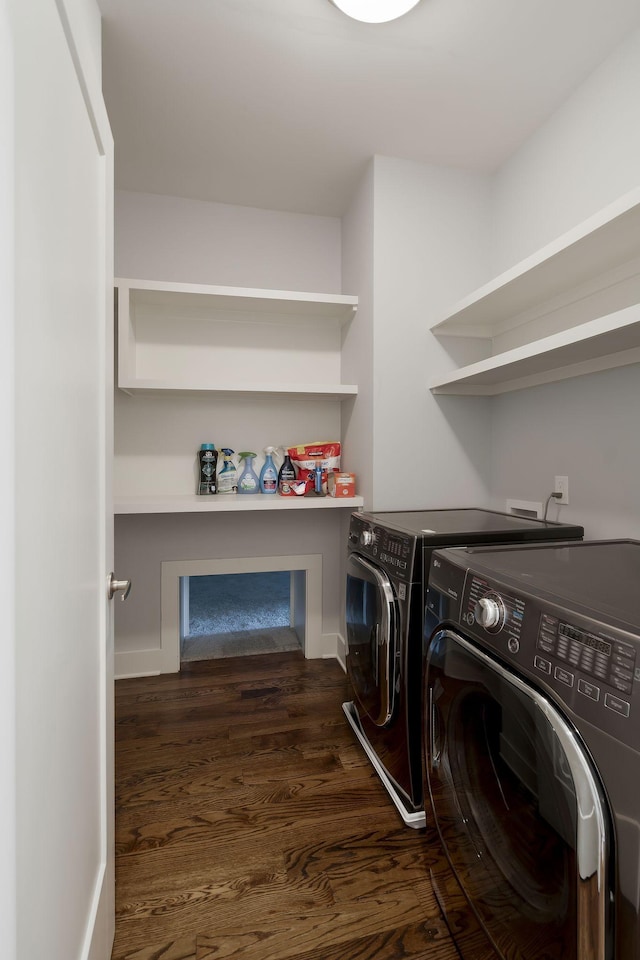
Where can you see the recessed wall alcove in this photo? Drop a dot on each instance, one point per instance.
(306, 597)
(236, 615)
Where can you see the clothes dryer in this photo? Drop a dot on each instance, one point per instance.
(532, 748)
(385, 594)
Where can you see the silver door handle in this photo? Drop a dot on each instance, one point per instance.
(116, 585)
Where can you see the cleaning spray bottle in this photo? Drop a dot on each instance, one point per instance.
(248, 480)
(286, 476)
(269, 474)
(228, 476)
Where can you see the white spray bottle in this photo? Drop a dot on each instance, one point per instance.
(228, 476)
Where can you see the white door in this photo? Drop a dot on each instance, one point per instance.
(60, 276)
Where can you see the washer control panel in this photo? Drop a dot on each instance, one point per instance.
(606, 661)
(593, 671)
(587, 666)
(611, 661)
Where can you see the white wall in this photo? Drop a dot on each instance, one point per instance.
(7, 497)
(410, 245)
(156, 439)
(584, 157)
(170, 238)
(585, 429)
(357, 348)
(429, 226)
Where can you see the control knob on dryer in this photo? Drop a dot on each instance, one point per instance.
(489, 613)
(367, 538)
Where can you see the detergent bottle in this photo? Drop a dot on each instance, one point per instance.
(228, 476)
(269, 473)
(207, 460)
(248, 480)
(286, 476)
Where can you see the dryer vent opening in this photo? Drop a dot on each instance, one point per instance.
(238, 614)
(530, 510)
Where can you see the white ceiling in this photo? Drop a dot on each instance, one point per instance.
(280, 103)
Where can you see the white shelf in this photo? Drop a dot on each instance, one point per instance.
(601, 344)
(592, 256)
(225, 503)
(160, 295)
(183, 338)
(568, 310)
(274, 391)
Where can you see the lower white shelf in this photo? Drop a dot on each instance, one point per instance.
(601, 344)
(225, 503)
(266, 391)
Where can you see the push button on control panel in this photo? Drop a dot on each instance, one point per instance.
(564, 676)
(542, 664)
(617, 705)
(589, 689)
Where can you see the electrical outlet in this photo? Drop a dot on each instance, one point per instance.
(561, 485)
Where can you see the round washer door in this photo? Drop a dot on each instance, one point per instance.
(372, 642)
(519, 808)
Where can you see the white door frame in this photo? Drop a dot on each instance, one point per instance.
(7, 497)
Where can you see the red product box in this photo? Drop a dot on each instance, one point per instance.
(341, 484)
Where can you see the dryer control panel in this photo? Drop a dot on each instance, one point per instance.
(392, 550)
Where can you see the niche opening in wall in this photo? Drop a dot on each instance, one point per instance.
(237, 614)
(305, 573)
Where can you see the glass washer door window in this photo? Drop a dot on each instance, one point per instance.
(519, 809)
(372, 626)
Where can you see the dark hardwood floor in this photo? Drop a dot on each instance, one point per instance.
(249, 824)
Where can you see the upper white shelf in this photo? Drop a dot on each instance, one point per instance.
(233, 341)
(600, 253)
(191, 503)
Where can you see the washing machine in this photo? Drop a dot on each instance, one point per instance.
(532, 748)
(388, 553)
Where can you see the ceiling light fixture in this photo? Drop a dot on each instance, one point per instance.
(374, 11)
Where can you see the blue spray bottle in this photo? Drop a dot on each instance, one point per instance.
(269, 473)
(248, 480)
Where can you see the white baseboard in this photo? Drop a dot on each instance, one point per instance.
(151, 663)
(101, 925)
(137, 663)
(327, 649)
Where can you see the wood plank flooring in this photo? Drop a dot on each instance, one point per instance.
(250, 825)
